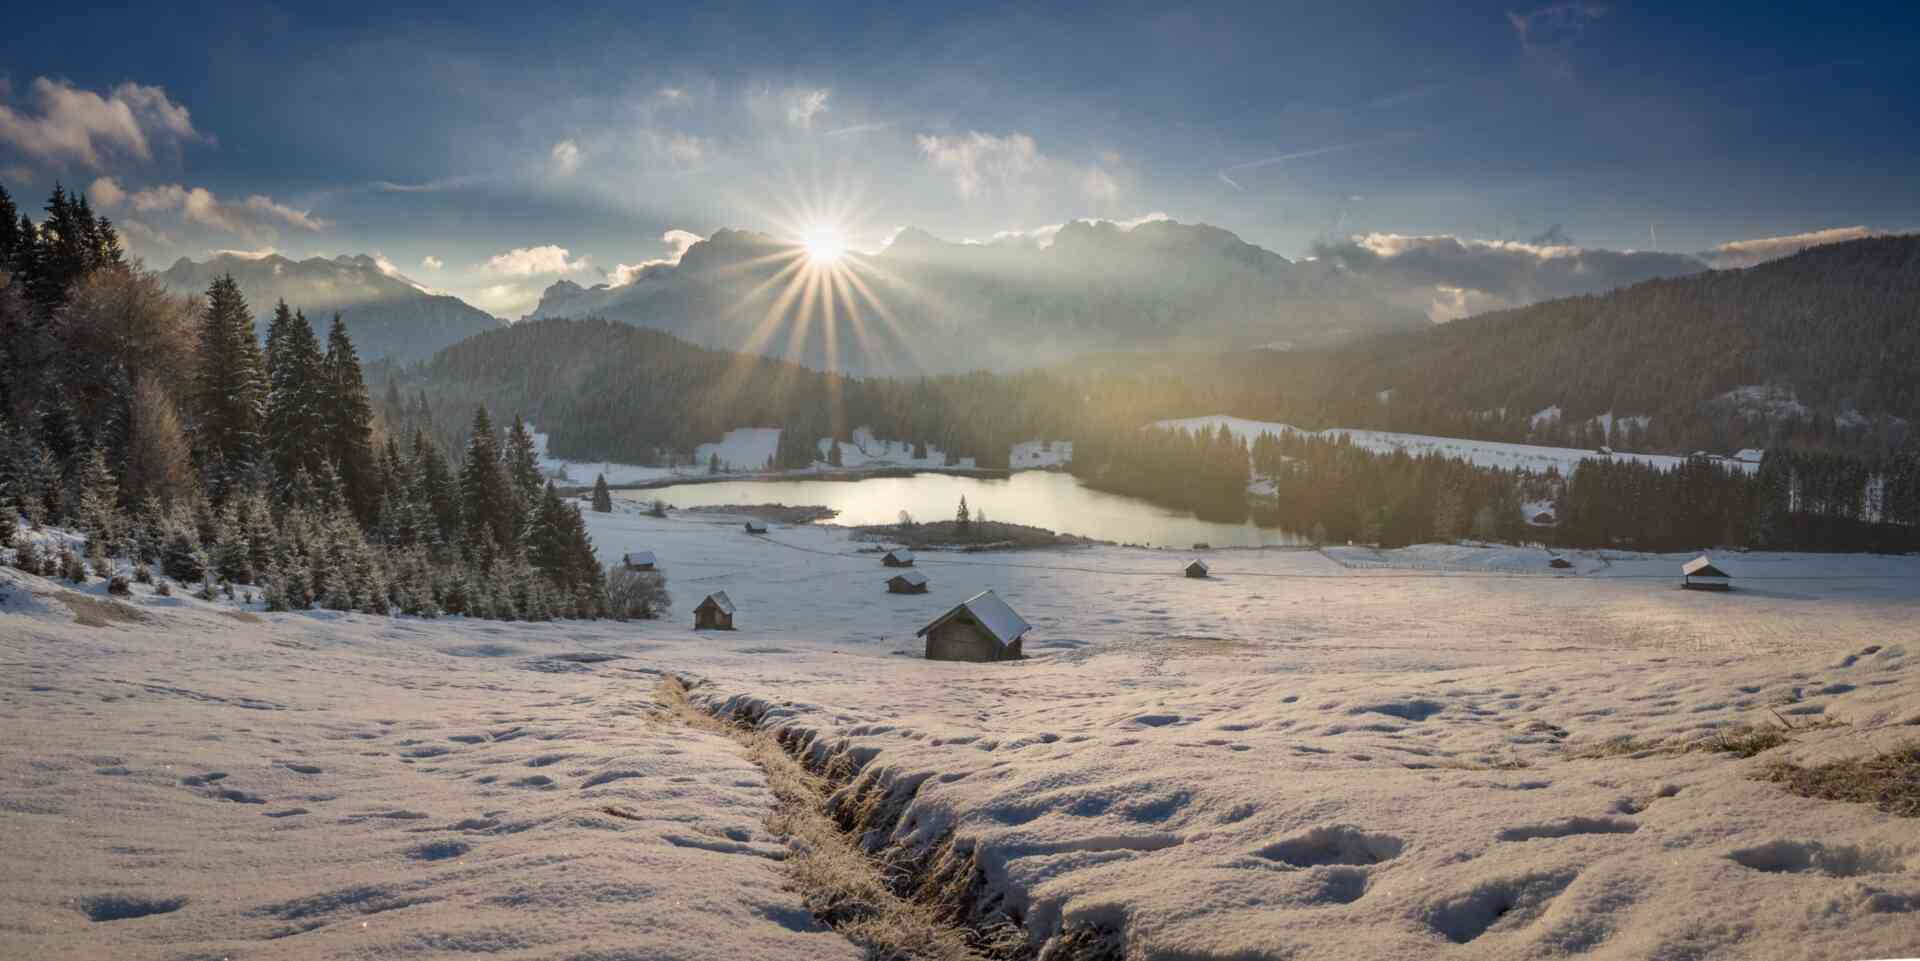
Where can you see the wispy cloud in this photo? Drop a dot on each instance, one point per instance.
(432, 186)
(859, 128)
(69, 125)
(565, 157)
(432, 263)
(976, 160)
(804, 105)
(1746, 253)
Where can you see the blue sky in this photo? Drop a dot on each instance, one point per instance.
(488, 138)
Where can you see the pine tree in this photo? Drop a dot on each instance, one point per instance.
(230, 394)
(522, 463)
(602, 497)
(833, 454)
(296, 417)
(961, 518)
(96, 512)
(434, 490)
(713, 463)
(349, 423)
(486, 494)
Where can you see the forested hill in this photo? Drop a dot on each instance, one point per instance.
(1821, 348)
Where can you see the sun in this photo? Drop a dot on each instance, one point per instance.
(824, 243)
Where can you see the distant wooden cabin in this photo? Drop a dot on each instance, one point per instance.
(1700, 574)
(715, 613)
(911, 582)
(1197, 569)
(981, 628)
(1560, 563)
(755, 527)
(898, 557)
(637, 560)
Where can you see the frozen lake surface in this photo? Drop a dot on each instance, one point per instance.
(1055, 501)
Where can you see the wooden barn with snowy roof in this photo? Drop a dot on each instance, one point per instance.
(1197, 569)
(910, 582)
(637, 560)
(1700, 574)
(715, 613)
(898, 557)
(980, 628)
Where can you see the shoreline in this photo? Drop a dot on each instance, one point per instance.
(844, 474)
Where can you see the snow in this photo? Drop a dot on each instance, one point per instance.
(1484, 453)
(1545, 415)
(1308, 755)
(1765, 400)
(1036, 453)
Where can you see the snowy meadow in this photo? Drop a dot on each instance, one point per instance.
(1433, 752)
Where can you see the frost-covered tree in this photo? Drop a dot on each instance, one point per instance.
(230, 392)
(296, 417)
(158, 462)
(96, 510)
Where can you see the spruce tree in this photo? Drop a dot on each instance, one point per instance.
(296, 417)
(602, 497)
(230, 393)
(349, 423)
(486, 495)
(96, 512)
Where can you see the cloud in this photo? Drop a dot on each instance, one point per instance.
(105, 193)
(804, 105)
(431, 186)
(258, 214)
(676, 148)
(677, 241)
(1746, 253)
(1226, 174)
(1548, 35)
(1449, 277)
(504, 300)
(528, 261)
(432, 263)
(1099, 184)
(68, 124)
(566, 157)
(672, 95)
(858, 128)
(975, 160)
(261, 254)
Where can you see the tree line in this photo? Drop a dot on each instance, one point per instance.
(161, 428)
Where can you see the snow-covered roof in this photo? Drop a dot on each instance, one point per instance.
(1198, 563)
(720, 600)
(1702, 566)
(914, 578)
(754, 527)
(639, 557)
(1749, 455)
(990, 612)
(900, 554)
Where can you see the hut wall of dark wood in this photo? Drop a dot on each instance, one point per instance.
(959, 640)
(709, 617)
(902, 586)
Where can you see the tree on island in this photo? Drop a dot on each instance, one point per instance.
(961, 518)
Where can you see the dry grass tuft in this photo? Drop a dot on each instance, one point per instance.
(244, 617)
(1889, 781)
(91, 611)
(842, 886)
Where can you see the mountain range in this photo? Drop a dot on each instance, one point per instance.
(390, 316)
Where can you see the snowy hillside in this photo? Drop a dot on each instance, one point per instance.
(1482, 453)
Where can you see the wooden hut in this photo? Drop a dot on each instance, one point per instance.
(980, 628)
(637, 560)
(715, 613)
(898, 557)
(1197, 569)
(755, 527)
(1700, 574)
(911, 582)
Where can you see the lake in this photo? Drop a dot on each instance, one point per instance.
(1055, 501)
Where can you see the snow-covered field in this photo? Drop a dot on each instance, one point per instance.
(1484, 453)
(1310, 756)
